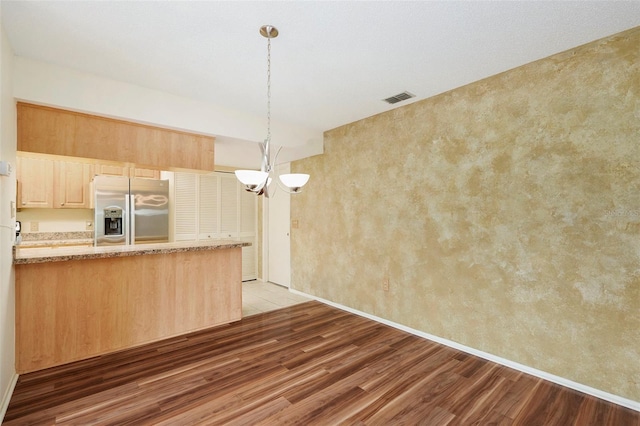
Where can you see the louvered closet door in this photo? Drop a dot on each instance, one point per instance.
(208, 207)
(248, 232)
(238, 220)
(229, 203)
(215, 206)
(186, 201)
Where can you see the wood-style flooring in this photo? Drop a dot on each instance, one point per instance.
(307, 364)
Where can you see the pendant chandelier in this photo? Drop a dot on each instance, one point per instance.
(260, 181)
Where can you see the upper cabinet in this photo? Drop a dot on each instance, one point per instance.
(138, 172)
(52, 183)
(112, 169)
(35, 182)
(71, 185)
(60, 132)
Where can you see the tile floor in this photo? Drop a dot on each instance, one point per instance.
(259, 296)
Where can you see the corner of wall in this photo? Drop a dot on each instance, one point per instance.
(8, 376)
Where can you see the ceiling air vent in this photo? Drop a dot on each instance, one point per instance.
(399, 97)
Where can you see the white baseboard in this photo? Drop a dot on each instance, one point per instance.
(4, 404)
(616, 399)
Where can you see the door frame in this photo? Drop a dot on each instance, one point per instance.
(278, 240)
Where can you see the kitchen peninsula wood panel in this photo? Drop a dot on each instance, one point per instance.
(60, 132)
(77, 309)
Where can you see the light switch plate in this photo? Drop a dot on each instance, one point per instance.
(5, 168)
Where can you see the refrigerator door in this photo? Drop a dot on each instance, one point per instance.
(111, 226)
(149, 211)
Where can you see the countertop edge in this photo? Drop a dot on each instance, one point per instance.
(96, 252)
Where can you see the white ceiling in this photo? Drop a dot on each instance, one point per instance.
(333, 62)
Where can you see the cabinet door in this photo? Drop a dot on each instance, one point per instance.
(35, 182)
(214, 206)
(72, 182)
(137, 172)
(112, 169)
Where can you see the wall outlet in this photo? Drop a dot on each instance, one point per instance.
(385, 284)
(89, 225)
(34, 226)
(295, 224)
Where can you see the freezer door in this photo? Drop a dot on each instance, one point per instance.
(149, 211)
(111, 225)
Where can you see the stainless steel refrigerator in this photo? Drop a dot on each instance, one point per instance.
(130, 211)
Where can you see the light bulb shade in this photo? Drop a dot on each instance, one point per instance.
(253, 180)
(294, 181)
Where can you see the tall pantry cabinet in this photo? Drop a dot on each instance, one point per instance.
(214, 206)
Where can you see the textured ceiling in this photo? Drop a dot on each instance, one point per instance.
(333, 61)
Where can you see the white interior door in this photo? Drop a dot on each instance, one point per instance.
(278, 253)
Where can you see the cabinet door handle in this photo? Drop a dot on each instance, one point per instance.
(62, 204)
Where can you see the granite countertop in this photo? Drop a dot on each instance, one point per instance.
(27, 255)
(56, 243)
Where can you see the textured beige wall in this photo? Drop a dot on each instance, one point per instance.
(506, 215)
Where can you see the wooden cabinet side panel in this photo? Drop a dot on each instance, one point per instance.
(67, 311)
(52, 131)
(94, 139)
(45, 130)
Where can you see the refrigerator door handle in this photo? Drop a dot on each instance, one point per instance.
(132, 215)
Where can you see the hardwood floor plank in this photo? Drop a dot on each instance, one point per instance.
(519, 393)
(537, 407)
(306, 364)
(565, 406)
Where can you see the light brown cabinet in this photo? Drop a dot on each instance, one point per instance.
(111, 170)
(71, 185)
(125, 170)
(137, 172)
(50, 183)
(35, 182)
(89, 307)
(55, 131)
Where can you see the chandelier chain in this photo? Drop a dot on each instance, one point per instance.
(268, 89)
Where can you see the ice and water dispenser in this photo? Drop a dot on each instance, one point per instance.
(113, 221)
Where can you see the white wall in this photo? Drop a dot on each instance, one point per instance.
(55, 220)
(47, 84)
(7, 225)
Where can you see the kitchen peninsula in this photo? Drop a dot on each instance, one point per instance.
(74, 303)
